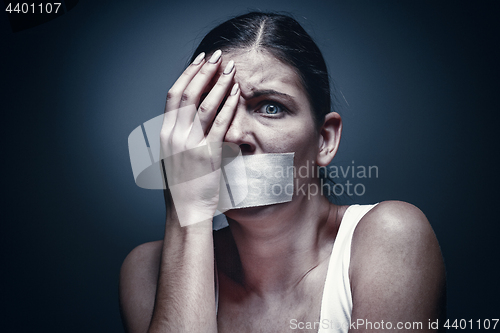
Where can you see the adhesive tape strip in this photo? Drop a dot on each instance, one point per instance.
(254, 180)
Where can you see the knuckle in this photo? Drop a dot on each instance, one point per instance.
(221, 83)
(187, 72)
(205, 107)
(172, 94)
(218, 122)
(185, 96)
(164, 135)
(174, 143)
(204, 70)
(170, 143)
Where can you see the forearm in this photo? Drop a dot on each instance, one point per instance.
(185, 298)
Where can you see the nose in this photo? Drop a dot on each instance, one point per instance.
(240, 131)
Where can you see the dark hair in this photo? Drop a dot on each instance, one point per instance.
(283, 37)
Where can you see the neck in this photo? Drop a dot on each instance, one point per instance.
(279, 245)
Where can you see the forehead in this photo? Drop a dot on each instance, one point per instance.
(258, 69)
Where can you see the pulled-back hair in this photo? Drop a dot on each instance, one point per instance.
(284, 38)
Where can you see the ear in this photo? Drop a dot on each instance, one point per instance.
(329, 138)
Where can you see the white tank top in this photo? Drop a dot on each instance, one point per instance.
(336, 303)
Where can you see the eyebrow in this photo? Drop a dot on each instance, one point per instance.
(265, 92)
(271, 92)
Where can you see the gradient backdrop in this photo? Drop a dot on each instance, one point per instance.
(416, 84)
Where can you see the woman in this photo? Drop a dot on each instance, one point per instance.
(258, 81)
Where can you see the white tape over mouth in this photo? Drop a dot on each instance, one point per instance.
(256, 180)
(253, 181)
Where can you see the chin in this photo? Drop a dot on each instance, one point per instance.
(258, 212)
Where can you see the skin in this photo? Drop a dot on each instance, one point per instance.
(272, 261)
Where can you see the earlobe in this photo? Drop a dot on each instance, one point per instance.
(329, 138)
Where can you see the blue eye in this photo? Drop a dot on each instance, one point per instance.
(271, 108)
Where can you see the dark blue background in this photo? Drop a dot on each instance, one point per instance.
(420, 81)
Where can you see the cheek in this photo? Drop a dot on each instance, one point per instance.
(305, 143)
(299, 139)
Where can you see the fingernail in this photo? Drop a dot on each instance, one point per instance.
(215, 57)
(235, 89)
(199, 58)
(229, 67)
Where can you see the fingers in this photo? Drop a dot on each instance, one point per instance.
(188, 156)
(223, 120)
(212, 102)
(184, 125)
(192, 93)
(208, 108)
(175, 93)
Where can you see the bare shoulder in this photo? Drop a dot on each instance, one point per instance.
(392, 221)
(138, 279)
(396, 263)
(143, 253)
(396, 229)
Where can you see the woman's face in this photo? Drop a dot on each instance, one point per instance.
(274, 114)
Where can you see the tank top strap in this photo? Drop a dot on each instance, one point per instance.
(336, 303)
